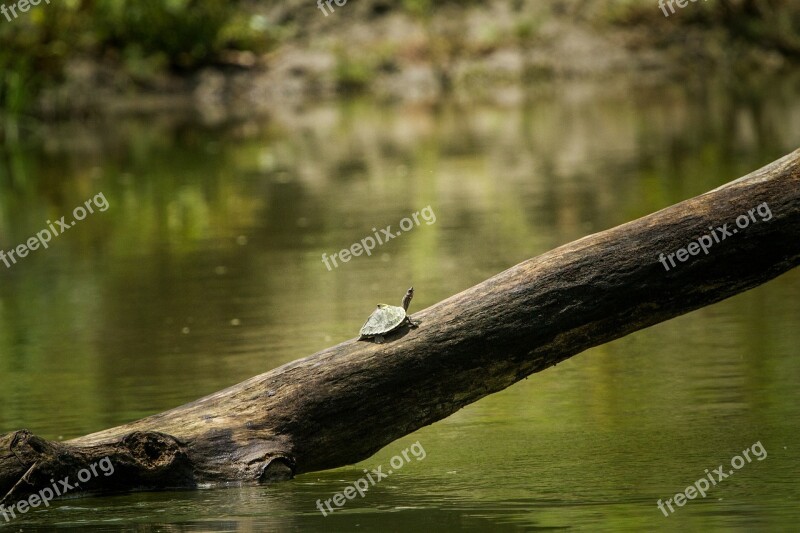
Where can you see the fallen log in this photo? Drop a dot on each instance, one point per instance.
(342, 404)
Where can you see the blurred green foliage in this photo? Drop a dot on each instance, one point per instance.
(145, 36)
(419, 8)
(773, 24)
(180, 33)
(353, 75)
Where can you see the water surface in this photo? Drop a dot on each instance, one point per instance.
(206, 269)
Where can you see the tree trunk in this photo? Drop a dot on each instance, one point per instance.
(341, 405)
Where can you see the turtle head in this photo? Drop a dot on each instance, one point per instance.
(407, 298)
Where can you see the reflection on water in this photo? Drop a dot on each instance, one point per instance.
(206, 269)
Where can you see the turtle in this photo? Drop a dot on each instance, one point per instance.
(387, 318)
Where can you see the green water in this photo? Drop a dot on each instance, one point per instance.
(206, 269)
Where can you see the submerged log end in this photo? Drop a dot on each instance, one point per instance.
(140, 460)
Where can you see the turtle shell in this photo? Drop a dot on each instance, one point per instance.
(383, 320)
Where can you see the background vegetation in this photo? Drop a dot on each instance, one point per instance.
(150, 38)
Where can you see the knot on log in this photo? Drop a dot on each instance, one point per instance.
(278, 468)
(145, 459)
(26, 445)
(152, 450)
(28, 461)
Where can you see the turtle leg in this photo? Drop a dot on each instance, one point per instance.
(378, 339)
(411, 323)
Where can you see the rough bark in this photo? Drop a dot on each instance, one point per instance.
(341, 405)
